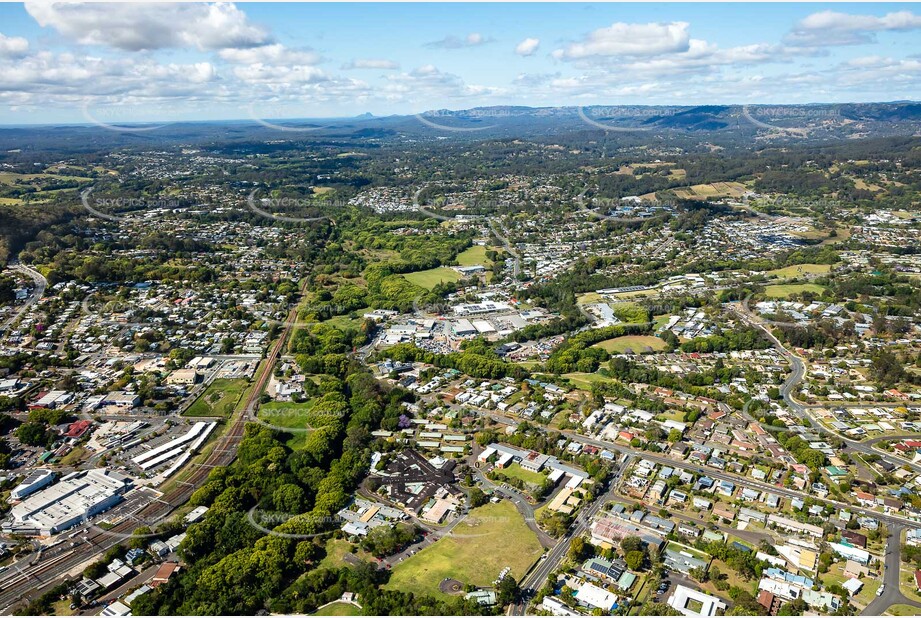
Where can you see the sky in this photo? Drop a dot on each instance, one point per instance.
(116, 63)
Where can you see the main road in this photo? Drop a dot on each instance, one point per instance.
(40, 285)
(538, 574)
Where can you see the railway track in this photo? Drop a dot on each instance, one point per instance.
(32, 580)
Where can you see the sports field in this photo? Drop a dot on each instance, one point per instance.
(430, 278)
(473, 256)
(635, 343)
(785, 291)
(219, 399)
(492, 537)
(800, 269)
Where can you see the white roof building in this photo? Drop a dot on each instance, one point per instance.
(77, 497)
(683, 596)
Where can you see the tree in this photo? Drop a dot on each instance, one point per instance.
(658, 609)
(674, 435)
(698, 573)
(507, 591)
(579, 550)
(631, 543)
(477, 497)
(35, 434)
(635, 559)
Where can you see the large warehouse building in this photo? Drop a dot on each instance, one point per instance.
(75, 498)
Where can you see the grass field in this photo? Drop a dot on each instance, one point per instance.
(336, 550)
(785, 291)
(219, 399)
(290, 416)
(716, 189)
(73, 457)
(636, 343)
(492, 537)
(473, 256)
(515, 471)
(589, 298)
(900, 609)
(585, 380)
(338, 608)
(430, 278)
(800, 269)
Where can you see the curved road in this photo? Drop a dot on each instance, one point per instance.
(803, 410)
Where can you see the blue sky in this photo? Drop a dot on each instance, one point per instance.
(117, 63)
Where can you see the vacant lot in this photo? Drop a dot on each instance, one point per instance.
(338, 608)
(635, 343)
(785, 291)
(473, 256)
(491, 538)
(515, 471)
(293, 416)
(800, 269)
(716, 189)
(432, 277)
(336, 552)
(583, 380)
(219, 399)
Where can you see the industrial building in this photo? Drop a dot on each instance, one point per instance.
(77, 497)
(36, 480)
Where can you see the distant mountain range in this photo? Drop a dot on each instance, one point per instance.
(716, 124)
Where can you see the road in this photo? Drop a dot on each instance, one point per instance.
(535, 578)
(798, 373)
(516, 258)
(40, 285)
(891, 594)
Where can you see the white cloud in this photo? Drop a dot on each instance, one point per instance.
(427, 83)
(833, 28)
(136, 27)
(474, 39)
(282, 75)
(527, 47)
(13, 46)
(621, 39)
(270, 54)
(371, 63)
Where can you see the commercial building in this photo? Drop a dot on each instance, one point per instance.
(77, 497)
(36, 480)
(183, 377)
